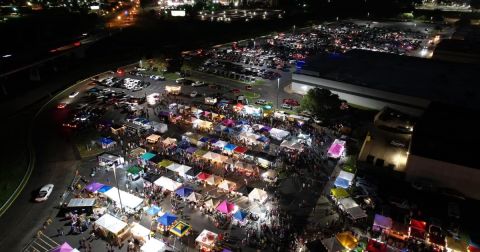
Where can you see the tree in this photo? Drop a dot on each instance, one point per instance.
(321, 103)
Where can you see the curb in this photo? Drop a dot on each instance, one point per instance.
(30, 148)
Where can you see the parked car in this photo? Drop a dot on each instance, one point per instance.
(198, 84)
(248, 87)
(193, 94)
(44, 192)
(261, 102)
(180, 80)
(286, 106)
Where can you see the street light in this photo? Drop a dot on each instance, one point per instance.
(118, 189)
(278, 90)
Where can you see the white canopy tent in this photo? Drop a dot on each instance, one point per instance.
(167, 183)
(139, 231)
(128, 200)
(227, 185)
(292, 143)
(207, 238)
(215, 157)
(214, 180)
(111, 224)
(348, 176)
(278, 134)
(356, 213)
(173, 167)
(153, 138)
(258, 195)
(194, 197)
(182, 170)
(347, 203)
(244, 166)
(220, 144)
(153, 245)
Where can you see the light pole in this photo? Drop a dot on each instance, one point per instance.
(278, 91)
(118, 189)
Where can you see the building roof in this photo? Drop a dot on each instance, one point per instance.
(447, 133)
(447, 82)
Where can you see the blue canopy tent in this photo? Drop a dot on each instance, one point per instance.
(153, 210)
(183, 144)
(228, 130)
(212, 140)
(341, 182)
(167, 219)
(184, 192)
(242, 122)
(230, 147)
(204, 139)
(240, 215)
(263, 139)
(106, 142)
(104, 189)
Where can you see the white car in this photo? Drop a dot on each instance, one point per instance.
(286, 106)
(261, 102)
(157, 77)
(180, 80)
(73, 95)
(44, 192)
(193, 94)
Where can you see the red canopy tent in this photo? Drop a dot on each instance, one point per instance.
(417, 229)
(375, 246)
(240, 149)
(203, 176)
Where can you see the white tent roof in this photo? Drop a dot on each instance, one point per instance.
(279, 134)
(183, 169)
(347, 203)
(227, 185)
(220, 144)
(346, 175)
(258, 194)
(169, 140)
(111, 223)
(243, 165)
(213, 180)
(128, 200)
(153, 245)
(293, 144)
(139, 230)
(203, 238)
(167, 183)
(215, 156)
(153, 138)
(194, 197)
(174, 167)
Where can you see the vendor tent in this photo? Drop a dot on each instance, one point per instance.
(167, 219)
(417, 229)
(356, 213)
(347, 203)
(376, 246)
(182, 170)
(65, 247)
(230, 147)
(167, 183)
(292, 143)
(203, 176)
(184, 192)
(128, 200)
(220, 144)
(111, 224)
(211, 203)
(333, 245)
(147, 156)
(153, 245)
(346, 175)
(104, 189)
(137, 152)
(153, 138)
(240, 149)
(214, 180)
(139, 232)
(278, 134)
(153, 210)
(341, 183)
(200, 152)
(270, 176)
(134, 170)
(194, 197)
(227, 185)
(240, 215)
(258, 195)
(382, 222)
(180, 229)
(191, 150)
(347, 240)
(169, 141)
(336, 149)
(93, 187)
(455, 245)
(106, 142)
(165, 163)
(173, 167)
(244, 166)
(226, 207)
(207, 238)
(215, 157)
(339, 193)
(81, 205)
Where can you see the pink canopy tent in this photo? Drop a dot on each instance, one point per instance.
(336, 149)
(65, 247)
(228, 122)
(226, 207)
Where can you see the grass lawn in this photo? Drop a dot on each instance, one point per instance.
(259, 82)
(83, 141)
(251, 95)
(171, 76)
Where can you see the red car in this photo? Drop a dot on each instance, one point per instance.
(291, 102)
(235, 90)
(61, 105)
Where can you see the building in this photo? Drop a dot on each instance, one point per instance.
(375, 80)
(443, 149)
(461, 51)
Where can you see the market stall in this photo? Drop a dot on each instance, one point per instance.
(93, 187)
(270, 176)
(226, 207)
(227, 185)
(65, 247)
(147, 156)
(106, 142)
(278, 134)
(110, 160)
(164, 163)
(337, 149)
(240, 215)
(244, 167)
(344, 179)
(137, 152)
(134, 172)
(339, 193)
(167, 184)
(139, 232)
(202, 124)
(169, 141)
(180, 229)
(184, 192)
(109, 226)
(194, 197)
(203, 176)
(214, 180)
(258, 195)
(417, 229)
(381, 223)
(153, 138)
(215, 157)
(130, 202)
(175, 90)
(153, 245)
(206, 240)
(81, 205)
(211, 203)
